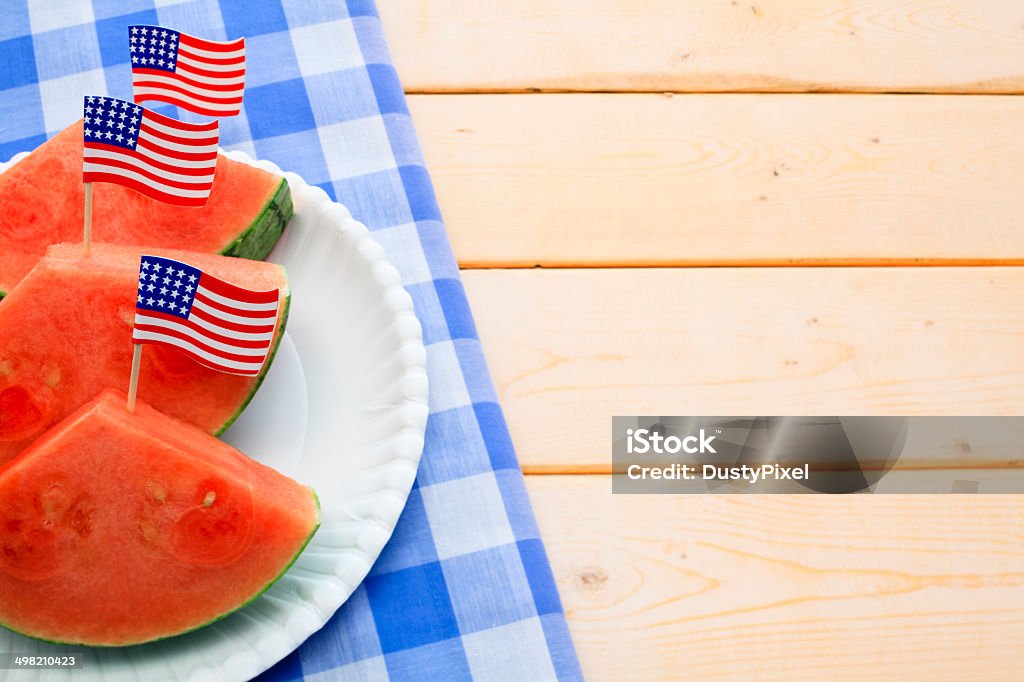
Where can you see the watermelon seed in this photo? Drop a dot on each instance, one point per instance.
(54, 499)
(51, 375)
(81, 522)
(5, 368)
(148, 530)
(157, 491)
(210, 497)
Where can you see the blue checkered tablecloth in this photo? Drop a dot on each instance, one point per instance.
(464, 589)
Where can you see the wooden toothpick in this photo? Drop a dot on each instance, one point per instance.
(88, 218)
(133, 385)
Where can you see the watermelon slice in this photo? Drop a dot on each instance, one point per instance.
(65, 335)
(43, 203)
(119, 528)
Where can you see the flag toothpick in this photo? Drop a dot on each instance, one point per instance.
(222, 326)
(206, 77)
(87, 236)
(133, 383)
(163, 158)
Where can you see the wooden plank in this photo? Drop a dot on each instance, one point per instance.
(584, 180)
(696, 45)
(786, 588)
(568, 349)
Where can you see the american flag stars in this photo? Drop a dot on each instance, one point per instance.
(167, 286)
(113, 121)
(155, 48)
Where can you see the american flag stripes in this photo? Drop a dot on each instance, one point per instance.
(218, 324)
(165, 159)
(203, 76)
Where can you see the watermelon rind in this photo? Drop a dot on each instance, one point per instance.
(258, 240)
(295, 557)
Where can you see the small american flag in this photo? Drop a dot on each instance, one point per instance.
(160, 157)
(203, 76)
(218, 324)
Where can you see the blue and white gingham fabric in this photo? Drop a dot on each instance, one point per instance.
(464, 589)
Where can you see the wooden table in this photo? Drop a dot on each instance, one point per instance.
(743, 207)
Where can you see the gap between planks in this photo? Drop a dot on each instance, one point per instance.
(413, 91)
(746, 263)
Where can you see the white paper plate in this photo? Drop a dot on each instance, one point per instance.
(343, 409)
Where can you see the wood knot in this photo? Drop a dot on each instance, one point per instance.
(591, 578)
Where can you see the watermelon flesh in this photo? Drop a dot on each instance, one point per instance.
(43, 203)
(119, 528)
(65, 336)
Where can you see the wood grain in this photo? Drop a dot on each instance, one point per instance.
(568, 349)
(787, 588)
(701, 45)
(578, 180)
